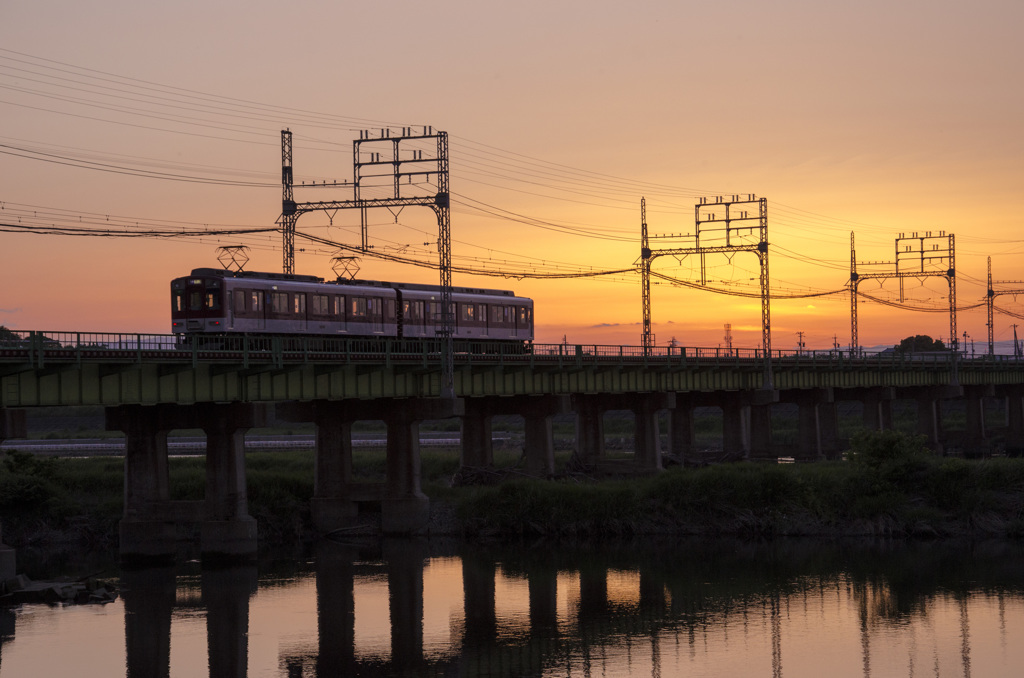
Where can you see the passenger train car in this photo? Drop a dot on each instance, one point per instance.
(213, 301)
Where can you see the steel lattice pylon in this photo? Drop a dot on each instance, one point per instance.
(926, 252)
(381, 163)
(732, 233)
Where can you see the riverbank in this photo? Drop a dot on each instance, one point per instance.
(891, 486)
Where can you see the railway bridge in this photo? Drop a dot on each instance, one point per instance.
(153, 384)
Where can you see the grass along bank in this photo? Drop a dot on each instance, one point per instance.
(890, 486)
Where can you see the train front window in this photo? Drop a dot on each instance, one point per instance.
(178, 301)
(195, 301)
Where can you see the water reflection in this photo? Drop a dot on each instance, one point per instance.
(419, 608)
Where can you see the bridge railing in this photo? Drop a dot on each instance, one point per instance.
(38, 348)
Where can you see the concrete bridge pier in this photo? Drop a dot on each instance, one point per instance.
(590, 409)
(537, 411)
(148, 529)
(976, 442)
(1014, 441)
(682, 436)
(809, 402)
(539, 436)
(759, 424)
(333, 505)
(877, 404)
(405, 509)
(227, 530)
(929, 412)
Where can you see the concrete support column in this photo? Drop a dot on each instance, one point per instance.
(877, 406)
(682, 437)
(929, 414)
(477, 446)
(976, 437)
(1014, 444)
(761, 433)
(226, 593)
(808, 401)
(735, 426)
(828, 427)
(589, 427)
(539, 443)
(228, 530)
(405, 509)
(646, 436)
(332, 504)
(147, 529)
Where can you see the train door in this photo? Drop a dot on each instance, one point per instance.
(256, 304)
(375, 314)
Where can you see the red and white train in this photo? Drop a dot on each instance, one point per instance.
(213, 301)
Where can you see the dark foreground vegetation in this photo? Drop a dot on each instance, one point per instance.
(891, 485)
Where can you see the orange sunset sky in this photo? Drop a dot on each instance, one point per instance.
(874, 118)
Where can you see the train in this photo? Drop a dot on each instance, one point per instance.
(213, 302)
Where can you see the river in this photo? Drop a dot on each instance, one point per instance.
(646, 608)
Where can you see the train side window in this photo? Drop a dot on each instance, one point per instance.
(374, 308)
(417, 307)
(319, 304)
(256, 298)
(299, 304)
(389, 310)
(338, 308)
(358, 307)
(466, 312)
(239, 301)
(278, 302)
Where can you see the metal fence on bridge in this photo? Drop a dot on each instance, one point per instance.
(41, 348)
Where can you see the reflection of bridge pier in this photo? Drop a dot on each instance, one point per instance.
(149, 600)
(335, 609)
(148, 528)
(404, 562)
(226, 593)
(149, 596)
